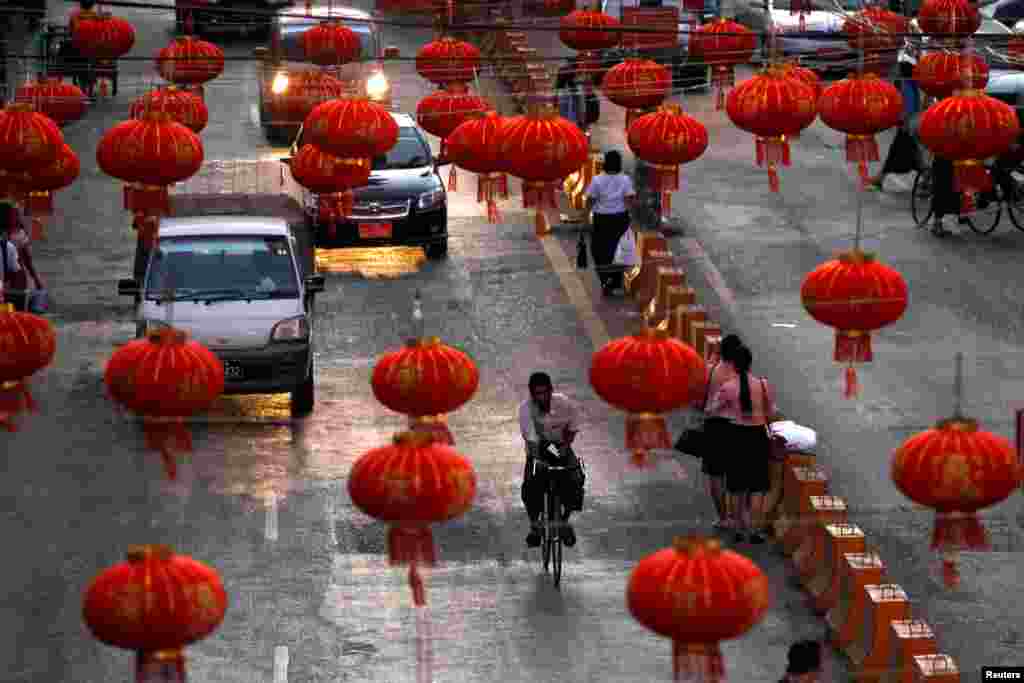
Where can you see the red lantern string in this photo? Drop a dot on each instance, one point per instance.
(15, 398)
(772, 151)
(540, 195)
(697, 662)
(167, 436)
(862, 150)
(722, 77)
(488, 188)
(433, 424)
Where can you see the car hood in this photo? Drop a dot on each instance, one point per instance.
(227, 324)
(1002, 82)
(403, 184)
(829, 22)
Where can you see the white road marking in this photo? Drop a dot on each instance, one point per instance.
(254, 115)
(567, 275)
(270, 528)
(280, 664)
(789, 325)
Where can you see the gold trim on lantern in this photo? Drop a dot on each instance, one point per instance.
(165, 655)
(7, 386)
(672, 108)
(856, 256)
(167, 336)
(6, 308)
(967, 163)
(439, 419)
(20, 107)
(423, 341)
(958, 424)
(853, 334)
(541, 111)
(693, 544)
(652, 333)
(138, 553)
(156, 115)
(415, 439)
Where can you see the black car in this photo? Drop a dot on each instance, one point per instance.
(405, 202)
(236, 16)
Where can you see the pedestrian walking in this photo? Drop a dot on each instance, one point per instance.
(716, 427)
(18, 281)
(904, 154)
(747, 401)
(10, 266)
(945, 200)
(610, 195)
(803, 663)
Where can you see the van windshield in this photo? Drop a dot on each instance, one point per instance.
(409, 152)
(222, 269)
(291, 41)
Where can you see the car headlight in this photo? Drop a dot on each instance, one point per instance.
(377, 86)
(291, 329)
(431, 199)
(280, 84)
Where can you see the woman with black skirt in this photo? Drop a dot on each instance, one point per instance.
(610, 196)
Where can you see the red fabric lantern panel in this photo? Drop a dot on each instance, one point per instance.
(332, 178)
(646, 375)
(941, 73)
(772, 106)
(805, 76)
(448, 61)
(856, 295)
(722, 44)
(306, 89)
(331, 43)
(99, 35)
(581, 30)
(164, 379)
(414, 482)
(183, 106)
(62, 102)
(665, 139)
(861, 107)
(957, 470)
(46, 181)
(959, 18)
(698, 595)
(27, 345)
(189, 60)
(352, 127)
(441, 112)
(875, 29)
(475, 146)
(156, 603)
(425, 380)
(637, 84)
(29, 140)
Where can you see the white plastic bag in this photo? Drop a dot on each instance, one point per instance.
(798, 437)
(625, 252)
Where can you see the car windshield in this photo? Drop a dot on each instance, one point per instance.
(409, 152)
(222, 268)
(828, 5)
(291, 41)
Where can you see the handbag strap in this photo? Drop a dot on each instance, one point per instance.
(707, 389)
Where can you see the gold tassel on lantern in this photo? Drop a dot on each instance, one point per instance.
(954, 533)
(852, 346)
(540, 196)
(433, 424)
(697, 662)
(488, 187)
(39, 205)
(770, 152)
(722, 77)
(970, 178)
(645, 432)
(862, 150)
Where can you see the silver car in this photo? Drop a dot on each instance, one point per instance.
(820, 46)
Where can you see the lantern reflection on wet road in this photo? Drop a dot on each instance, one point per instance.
(371, 262)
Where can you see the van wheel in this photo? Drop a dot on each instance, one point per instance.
(304, 396)
(438, 250)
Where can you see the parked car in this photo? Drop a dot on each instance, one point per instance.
(404, 203)
(241, 16)
(820, 46)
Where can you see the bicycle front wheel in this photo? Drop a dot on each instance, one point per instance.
(545, 545)
(1015, 206)
(554, 512)
(921, 197)
(984, 220)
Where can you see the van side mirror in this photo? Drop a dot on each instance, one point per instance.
(314, 284)
(127, 287)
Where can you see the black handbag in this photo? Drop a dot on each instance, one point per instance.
(581, 252)
(693, 440)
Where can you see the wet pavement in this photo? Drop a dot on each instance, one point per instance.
(263, 499)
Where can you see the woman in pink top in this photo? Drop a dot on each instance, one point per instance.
(746, 400)
(713, 460)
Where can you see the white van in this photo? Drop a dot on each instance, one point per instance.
(236, 284)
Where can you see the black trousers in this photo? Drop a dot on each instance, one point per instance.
(608, 230)
(570, 486)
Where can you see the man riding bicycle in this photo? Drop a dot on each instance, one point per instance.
(549, 421)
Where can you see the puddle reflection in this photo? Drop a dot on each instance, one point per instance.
(371, 262)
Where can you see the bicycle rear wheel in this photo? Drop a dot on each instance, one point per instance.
(1015, 206)
(545, 547)
(921, 197)
(984, 220)
(554, 512)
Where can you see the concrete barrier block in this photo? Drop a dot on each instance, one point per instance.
(845, 620)
(778, 468)
(683, 317)
(666, 276)
(810, 553)
(644, 287)
(869, 652)
(936, 669)
(675, 297)
(699, 333)
(823, 586)
(909, 638)
(805, 483)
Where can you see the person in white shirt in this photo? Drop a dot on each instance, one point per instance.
(545, 419)
(610, 195)
(9, 262)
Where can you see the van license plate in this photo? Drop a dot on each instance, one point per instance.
(374, 231)
(233, 371)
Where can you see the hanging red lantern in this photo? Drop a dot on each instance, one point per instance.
(27, 345)
(441, 112)
(772, 106)
(583, 30)
(306, 89)
(29, 140)
(414, 482)
(100, 35)
(878, 34)
(447, 61)
(805, 76)
(164, 379)
(637, 84)
(155, 603)
(956, 469)
(330, 43)
(968, 128)
(62, 102)
(181, 105)
(647, 375)
(723, 45)
(549, 8)
(542, 148)
(475, 146)
(949, 19)
(941, 73)
(44, 182)
(148, 154)
(426, 380)
(665, 139)
(857, 295)
(861, 107)
(351, 127)
(698, 595)
(189, 60)
(332, 179)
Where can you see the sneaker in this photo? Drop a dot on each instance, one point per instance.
(568, 535)
(533, 538)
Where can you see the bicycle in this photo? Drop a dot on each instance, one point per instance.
(550, 519)
(984, 219)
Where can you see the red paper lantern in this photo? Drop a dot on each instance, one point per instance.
(722, 44)
(665, 139)
(164, 379)
(441, 112)
(772, 106)
(875, 30)
(331, 43)
(306, 89)
(332, 179)
(542, 148)
(475, 146)
(62, 102)
(637, 84)
(805, 76)
(189, 60)
(448, 61)
(351, 127)
(646, 375)
(949, 18)
(181, 105)
(27, 345)
(549, 8)
(156, 603)
(941, 73)
(582, 30)
(99, 35)
(968, 128)
(29, 140)
(861, 107)
(957, 470)
(425, 380)
(414, 482)
(698, 595)
(47, 180)
(855, 294)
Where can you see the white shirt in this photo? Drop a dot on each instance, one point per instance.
(12, 261)
(609, 192)
(563, 415)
